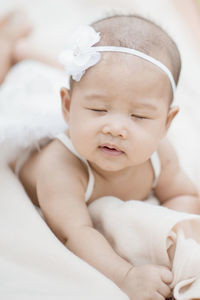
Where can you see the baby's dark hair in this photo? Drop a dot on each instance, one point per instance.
(141, 34)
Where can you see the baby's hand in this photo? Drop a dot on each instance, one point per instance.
(147, 282)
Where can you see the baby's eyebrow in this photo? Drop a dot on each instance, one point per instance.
(96, 96)
(146, 105)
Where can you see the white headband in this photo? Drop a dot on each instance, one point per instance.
(80, 54)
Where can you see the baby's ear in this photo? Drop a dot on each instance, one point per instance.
(171, 115)
(65, 98)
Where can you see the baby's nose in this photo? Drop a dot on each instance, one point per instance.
(115, 128)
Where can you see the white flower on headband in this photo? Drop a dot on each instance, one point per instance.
(78, 54)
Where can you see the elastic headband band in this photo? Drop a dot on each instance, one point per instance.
(142, 55)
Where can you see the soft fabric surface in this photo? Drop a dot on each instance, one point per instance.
(144, 233)
(35, 265)
(30, 108)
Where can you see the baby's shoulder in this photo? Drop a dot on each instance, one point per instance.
(168, 159)
(55, 157)
(167, 154)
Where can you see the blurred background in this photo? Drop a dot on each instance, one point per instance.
(53, 19)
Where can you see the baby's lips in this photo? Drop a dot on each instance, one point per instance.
(111, 147)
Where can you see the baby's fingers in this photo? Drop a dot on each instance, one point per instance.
(166, 275)
(158, 297)
(164, 290)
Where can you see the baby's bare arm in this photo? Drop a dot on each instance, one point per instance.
(61, 184)
(61, 188)
(175, 190)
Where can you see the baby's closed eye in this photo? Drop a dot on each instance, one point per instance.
(139, 116)
(96, 109)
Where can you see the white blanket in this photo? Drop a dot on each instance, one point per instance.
(35, 265)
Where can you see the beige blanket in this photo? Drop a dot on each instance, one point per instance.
(144, 233)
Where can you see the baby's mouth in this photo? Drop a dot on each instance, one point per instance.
(111, 150)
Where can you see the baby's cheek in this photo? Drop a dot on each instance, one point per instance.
(147, 144)
(80, 140)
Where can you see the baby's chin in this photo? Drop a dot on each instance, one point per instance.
(109, 166)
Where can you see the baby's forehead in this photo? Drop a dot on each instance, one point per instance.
(130, 61)
(125, 77)
(127, 67)
(140, 34)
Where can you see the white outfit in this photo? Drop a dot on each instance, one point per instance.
(30, 108)
(67, 142)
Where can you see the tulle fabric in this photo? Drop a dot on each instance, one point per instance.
(30, 107)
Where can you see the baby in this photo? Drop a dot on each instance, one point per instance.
(123, 74)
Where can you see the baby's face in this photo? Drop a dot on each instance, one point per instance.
(118, 111)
